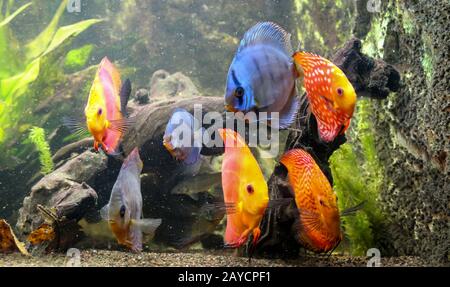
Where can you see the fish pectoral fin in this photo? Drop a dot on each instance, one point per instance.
(229, 208)
(147, 225)
(104, 212)
(76, 126)
(121, 125)
(309, 220)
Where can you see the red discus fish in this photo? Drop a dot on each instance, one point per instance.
(319, 220)
(105, 112)
(331, 96)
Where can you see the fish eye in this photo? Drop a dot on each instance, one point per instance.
(122, 211)
(100, 111)
(340, 91)
(239, 92)
(250, 189)
(321, 202)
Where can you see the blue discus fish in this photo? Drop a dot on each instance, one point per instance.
(179, 138)
(262, 75)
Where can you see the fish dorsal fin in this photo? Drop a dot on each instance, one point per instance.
(267, 33)
(231, 138)
(296, 158)
(104, 212)
(125, 92)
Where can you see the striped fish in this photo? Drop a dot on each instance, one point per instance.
(318, 223)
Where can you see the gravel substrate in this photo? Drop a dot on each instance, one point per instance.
(101, 258)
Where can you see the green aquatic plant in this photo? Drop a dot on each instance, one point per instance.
(21, 67)
(78, 58)
(322, 26)
(37, 137)
(358, 176)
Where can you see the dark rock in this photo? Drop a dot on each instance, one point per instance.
(165, 86)
(65, 189)
(142, 96)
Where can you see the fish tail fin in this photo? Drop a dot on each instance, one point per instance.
(125, 92)
(148, 226)
(267, 33)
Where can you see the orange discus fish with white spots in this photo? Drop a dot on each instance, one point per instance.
(318, 224)
(105, 112)
(331, 96)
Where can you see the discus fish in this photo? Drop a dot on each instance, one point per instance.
(105, 112)
(331, 96)
(183, 137)
(245, 190)
(262, 75)
(319, 221)
(124, 210)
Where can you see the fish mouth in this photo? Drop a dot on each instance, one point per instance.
(230, 108)
(121, 234)
(169, 147)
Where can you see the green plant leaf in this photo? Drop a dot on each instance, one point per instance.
(39, 44)
(10, 86)
(13, 15)
(65, 32)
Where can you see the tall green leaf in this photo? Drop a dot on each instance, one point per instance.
(39, 44)
(9, 87)
(13, 15)
(66, 32)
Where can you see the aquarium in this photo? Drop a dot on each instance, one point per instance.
(224, 133)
